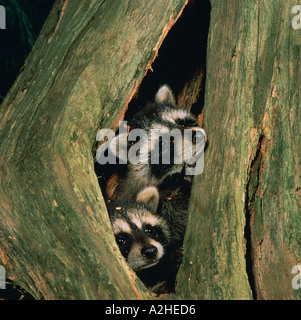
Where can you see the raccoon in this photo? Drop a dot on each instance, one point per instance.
(168, 184)
(144, 239)
(160, 120)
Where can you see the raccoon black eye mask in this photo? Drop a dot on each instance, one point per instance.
(142, 236)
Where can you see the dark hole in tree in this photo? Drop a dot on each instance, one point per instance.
(181, 61)
(181, 64)
(24, 20)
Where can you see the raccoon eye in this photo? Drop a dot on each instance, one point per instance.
(154, 232)
(148, 230)
(123, 241)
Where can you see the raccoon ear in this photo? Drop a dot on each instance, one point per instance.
(165, 94)
(149, 196)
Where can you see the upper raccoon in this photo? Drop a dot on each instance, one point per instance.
(153, 170)
(143, 237)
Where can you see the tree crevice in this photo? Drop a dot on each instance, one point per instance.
(180, 62)
(252, 187)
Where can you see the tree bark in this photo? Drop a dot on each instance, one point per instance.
(243, 237)
(87, 64)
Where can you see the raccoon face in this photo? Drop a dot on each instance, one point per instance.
(178, 144)
(142, 236)
(174, 139)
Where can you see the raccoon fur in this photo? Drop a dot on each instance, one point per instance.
(158, 120)
(144, 239)
(134, 182)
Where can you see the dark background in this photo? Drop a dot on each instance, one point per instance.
(24, 20)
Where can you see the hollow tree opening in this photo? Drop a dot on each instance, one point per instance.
(181, 64)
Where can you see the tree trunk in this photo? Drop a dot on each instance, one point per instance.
(56, 240)
(243, 237)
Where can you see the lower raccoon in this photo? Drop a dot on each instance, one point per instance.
(145, 239)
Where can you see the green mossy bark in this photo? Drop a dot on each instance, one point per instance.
(252, 164)
(91, 56)
(56, 240)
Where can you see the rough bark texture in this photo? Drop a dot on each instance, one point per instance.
(244, 226)
(243, 234)
(56, 240)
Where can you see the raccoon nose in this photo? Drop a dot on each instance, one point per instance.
(149, 252)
